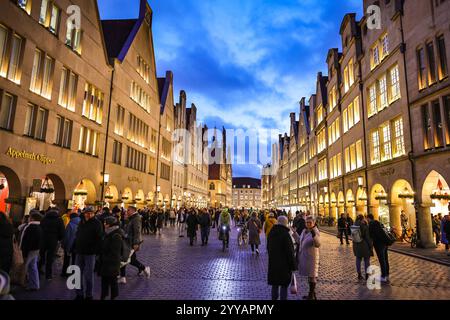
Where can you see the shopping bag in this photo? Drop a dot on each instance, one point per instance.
(294, 289)
(17, 273)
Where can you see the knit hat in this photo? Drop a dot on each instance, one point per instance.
(283, 220)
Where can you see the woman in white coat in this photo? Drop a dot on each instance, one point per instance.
(309, 244)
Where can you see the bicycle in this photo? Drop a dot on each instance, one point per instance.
(242, 235)
(414, 239)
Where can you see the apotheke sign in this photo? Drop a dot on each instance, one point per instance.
(16, 154)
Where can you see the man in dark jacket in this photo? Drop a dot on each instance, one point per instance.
(30, 244)
(110, 258)
(205, 222)
(6, 243)
(380, 243)
(300, 223)
(87, 246)
(53, 231)
(281, 258)
(133, 229)
(343, 229)
(68, 242)
(191, 223)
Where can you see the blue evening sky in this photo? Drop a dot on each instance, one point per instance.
(244, 63)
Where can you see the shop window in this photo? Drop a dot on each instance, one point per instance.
(63, 132)
(42, 74)
(7, 110)
(11, 46)
(50, 16)
(68, 89)
(36, 122)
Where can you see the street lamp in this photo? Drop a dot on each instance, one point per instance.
(360, 181)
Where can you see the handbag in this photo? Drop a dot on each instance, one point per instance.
(294, 289)
(18, 273)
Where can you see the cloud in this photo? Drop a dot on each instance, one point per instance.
(245, 64)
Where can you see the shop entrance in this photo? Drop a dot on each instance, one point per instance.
(84, 195)
(402, 200)
(10, 190)
(379, 202)
(436, 191)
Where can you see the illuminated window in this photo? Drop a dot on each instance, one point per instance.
(143, 69)
(139, 96)
(394, 84)
(68, 89)
(385, 46)
(120, 121)
(50, 16)
(386, 142)
(443, 71)
(353, 156)
(93, 103)
(136, 160)
(137, 131)
(399, 142)
(10, 54)
(73, 38)
(88, 141)
(42, 74)
(63, 132)
(422, 68)
(372, 100)
(24, 5)
(7, 110)
(375, 148)
(382, 89)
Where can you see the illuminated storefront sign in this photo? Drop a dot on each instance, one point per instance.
(16, 154)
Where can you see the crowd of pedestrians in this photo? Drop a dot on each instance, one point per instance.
(104, 243)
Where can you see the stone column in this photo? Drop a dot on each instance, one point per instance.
(425, 226)
(374, 211)
(394, 217)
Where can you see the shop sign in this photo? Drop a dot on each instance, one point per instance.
(16, 154)
(134, 179)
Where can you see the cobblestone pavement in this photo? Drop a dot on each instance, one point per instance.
(197, 273)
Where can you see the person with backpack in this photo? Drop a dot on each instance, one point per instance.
(381, 242)
(110, 258)
(362, 245)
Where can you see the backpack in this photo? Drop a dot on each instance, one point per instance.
(390, 237)
(356, 234)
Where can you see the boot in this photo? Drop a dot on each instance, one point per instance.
(312, 294)
(360, 277)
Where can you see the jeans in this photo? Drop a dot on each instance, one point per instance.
(107, 283)
(86, 263)
(69, 258)
(181, 228)
(47, 258)
(366, 264)
(135, 263)
(382, 254)
(205, 234)
(341, 232)
(254, 246)
(31, 268)
(281, 291)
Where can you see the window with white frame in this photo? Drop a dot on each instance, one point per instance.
(353, 156)
(323, 171)
(25, 5)
(334, 132)
(379, 51)
(385, 91)
(36, 122)
(394, 91)
(63, 136)
(88, 141)
(50, 16)
(7, 110)
(68, 89)
(375, 147)
(11, 46)
(332, 98)
(382, 89)
(321, 141)
(42, 74)
(93, 103)
(399, 141)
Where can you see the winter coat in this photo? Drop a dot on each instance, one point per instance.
(133, 230)
(444, 238)
(224, 219)
(88, 238)
(204, 220)
(446, 230)
(111, 252)
(70, 234)
(363, 249)
(31, 239)
(254, 227)
(191, 223)
(309, 253)
(281, 256)
(160, 220)
(270, 222)
(6, 239)
(52, 229)
(342, 223)
(377, 234)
